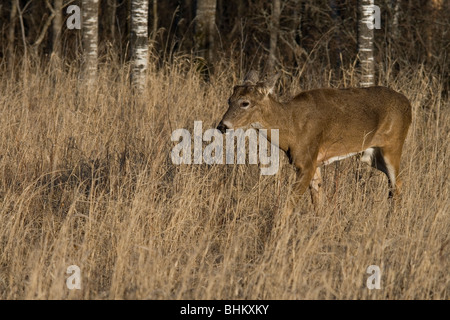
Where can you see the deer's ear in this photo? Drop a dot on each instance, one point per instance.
(269, 84)
(252, 77)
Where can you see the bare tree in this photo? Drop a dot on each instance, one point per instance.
(43, 33)
(11, 33)
(204, 28)
(297, 19)
(274, 29)
(432, 9)
(395, 9)
(57, 26)
(22, 30)
(139, 42)
(90, 38)
(365, 43)
(112, 6)
(155, 20)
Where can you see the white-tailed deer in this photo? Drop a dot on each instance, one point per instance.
(320, 126)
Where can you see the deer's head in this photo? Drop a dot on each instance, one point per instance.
(248, 102)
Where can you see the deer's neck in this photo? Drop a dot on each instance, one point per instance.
(277, 116)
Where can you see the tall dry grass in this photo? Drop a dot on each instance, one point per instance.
(86, 179)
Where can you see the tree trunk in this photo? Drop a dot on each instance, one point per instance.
(57, 27)
(139, 43)
(112, 19)
(297, 25)
(274, 29)
(11, 33)
(336, 43)
(24, 38)
(204, 28)
(432, 8)
(155, 20)
(395, 8)
(365, 43)
(90, 39)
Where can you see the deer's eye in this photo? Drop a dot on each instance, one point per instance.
(245, 104)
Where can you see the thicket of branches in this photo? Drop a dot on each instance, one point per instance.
(321, 32)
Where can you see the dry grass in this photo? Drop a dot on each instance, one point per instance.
(86, 179)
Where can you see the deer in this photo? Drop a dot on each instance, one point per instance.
(321, 126)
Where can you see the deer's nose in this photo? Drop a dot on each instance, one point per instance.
(221, 127)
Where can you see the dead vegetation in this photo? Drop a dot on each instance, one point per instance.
(86, 179)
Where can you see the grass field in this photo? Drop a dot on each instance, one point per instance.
(86, 179)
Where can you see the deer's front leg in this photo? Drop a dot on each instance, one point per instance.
(305, 173)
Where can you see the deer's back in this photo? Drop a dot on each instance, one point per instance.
(344, 114)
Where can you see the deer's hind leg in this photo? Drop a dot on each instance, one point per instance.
(315, 188)
(388, 161)
(391, 157)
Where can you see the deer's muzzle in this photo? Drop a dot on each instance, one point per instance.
(222, 127)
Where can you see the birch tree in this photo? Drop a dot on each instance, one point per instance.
(365, 43)
(90, 38)
(139, 43)
(204, 28)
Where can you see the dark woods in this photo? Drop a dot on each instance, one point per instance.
(259, 34)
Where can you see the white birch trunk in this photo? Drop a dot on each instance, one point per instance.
(205, 27)
(365, 43)
(139, 43)
(90, 38)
